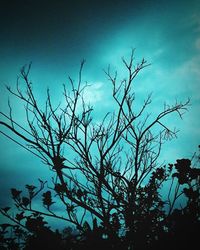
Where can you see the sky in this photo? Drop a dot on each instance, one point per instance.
(56, 35)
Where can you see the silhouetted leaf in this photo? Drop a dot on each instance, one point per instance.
(194, 173)
(47, 200)
(175, 175)
(183, 179)
(159, 173)
(25, 201)
(59, 188)
(35, 224)
(79, 193)
(6, 209)
(30, 187)
(190, 193)
(20, 216)
(183, 165)
(86, 226)
(15, 193)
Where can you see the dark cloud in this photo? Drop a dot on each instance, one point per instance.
(31, 25)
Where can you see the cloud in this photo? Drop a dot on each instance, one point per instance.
(195, 21)
(93, 93)
(197, 43)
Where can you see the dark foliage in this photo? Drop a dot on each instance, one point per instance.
(154, 227)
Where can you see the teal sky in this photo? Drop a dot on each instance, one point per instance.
(56, 35)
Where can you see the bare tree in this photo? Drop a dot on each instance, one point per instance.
(102, 171)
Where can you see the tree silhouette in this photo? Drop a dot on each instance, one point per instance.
(106, 175)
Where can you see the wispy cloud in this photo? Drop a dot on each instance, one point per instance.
(93, 93)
